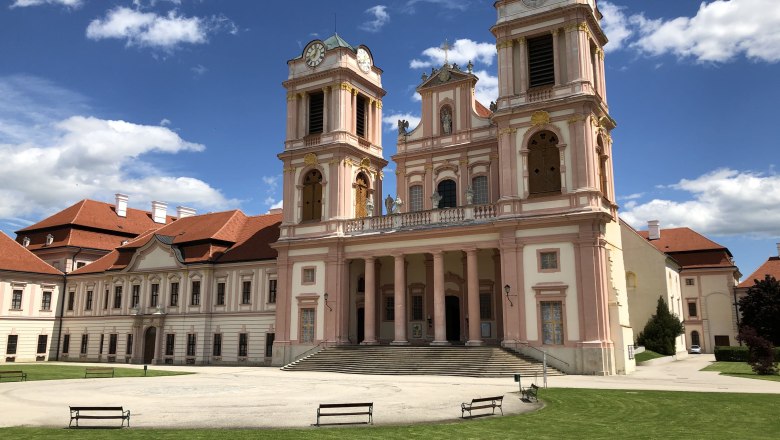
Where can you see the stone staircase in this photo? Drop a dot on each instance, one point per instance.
(414, 360)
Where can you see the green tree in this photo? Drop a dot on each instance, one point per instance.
(761, 356)
(761, 309)
(661, 330)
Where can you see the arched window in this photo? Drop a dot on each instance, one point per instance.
(695, 338)
(544, 164)
(447, 192)
(602, 158)
(479, 185)
(361, 195)
(415, 198)
(445, 116)
(312, 196)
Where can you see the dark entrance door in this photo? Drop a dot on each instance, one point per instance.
(149, 339)
(361, 324)
(452, 312)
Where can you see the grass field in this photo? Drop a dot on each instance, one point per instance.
(55, 372)
(568, 414)
(739, 369)
(647, 355)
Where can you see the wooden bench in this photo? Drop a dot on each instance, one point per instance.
(99, 371)
(98, 413)
(530, 392)
(13, 374)
(482, 403)
(368, 410)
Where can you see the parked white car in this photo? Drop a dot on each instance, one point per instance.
(695, 349)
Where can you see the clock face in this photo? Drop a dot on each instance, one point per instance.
(363, 60)
(314, 54)
(533, 3)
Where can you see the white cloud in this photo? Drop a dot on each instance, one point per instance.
(379, 19)
(149, 29)
(722, 202)
(26, 3)
(80, 157)
(165, 122)
(719, 32)
(459, 5)
(271, 181)
(486, 90)
(615, 25)
(199, 70)
(461, 52)
(633, 196)
(276, 205)
(391, 121)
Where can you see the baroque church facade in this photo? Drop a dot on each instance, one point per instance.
(504, 230)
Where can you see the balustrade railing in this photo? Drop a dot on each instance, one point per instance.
(421, 218)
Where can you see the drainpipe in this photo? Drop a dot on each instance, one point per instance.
(58, 317)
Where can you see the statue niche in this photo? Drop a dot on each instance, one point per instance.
(445, 115)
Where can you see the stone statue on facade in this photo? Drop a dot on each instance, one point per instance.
(470, 67)
(397, 205)
(370, 205)
(389, 204)
(493, 106)
(469, 195)
(403, 126)
(435, 198)
(446, 122)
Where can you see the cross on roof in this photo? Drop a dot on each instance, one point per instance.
(446, 47)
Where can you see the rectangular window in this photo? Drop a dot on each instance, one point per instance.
(360, 116)
(692, 312)
(195, 297)
(220, 294)
(417, 308)
(309, 275)
(42, 343)
(46, 301)
(10, 347)
(243, 340)
(16, 300)
(479, 186)
(112, 343)
(316, 106)
(105, 300)
(170, 340)
(71, 300)
(389, 308)
(269, 344)
(416, 198)
(272, 291)
(84, 343)
(307, 325)
(246, 292)
(217, 345)
(88, 303)
(174, 294)
(191, 344)
(485, 306)
(136, 296)
(102, 340)
(548, 261)
(541, 63)
(129, 347)
(65, 344)
(689, 282)
(552, 322)
(117, 297)
(155, 297)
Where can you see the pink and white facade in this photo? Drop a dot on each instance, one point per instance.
(504, 230)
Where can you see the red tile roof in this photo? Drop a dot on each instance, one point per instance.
(770, 267)
(682, 240)
(255, 241)
(482, 110)
(14, 257)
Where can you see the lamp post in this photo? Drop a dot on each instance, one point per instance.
(326, 301)
(506, 291)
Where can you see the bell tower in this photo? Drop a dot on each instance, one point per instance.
(333, 149)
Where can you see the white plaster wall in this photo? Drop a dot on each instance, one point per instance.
(298, 288)
(29, 322)
(387, 247)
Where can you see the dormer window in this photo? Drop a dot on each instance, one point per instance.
(26, 241)
(124, 242)
(49, 239)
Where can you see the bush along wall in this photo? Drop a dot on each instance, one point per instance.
(737, 354)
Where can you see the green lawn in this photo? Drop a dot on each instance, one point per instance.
(55, 372)
(647, 355)
(738, 369)
(569, 413)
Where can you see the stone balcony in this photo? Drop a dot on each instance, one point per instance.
(418, 219)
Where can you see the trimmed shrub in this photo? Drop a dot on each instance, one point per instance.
(737, 354)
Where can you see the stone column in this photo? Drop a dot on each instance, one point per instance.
(556, 61)
(439, 313)
(369, 308)
(400, 301)
(522, 65)
(473, 297)
(353, 119)
(325, 108)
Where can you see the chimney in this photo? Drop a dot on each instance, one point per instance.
(121, 205)
(653, 230)
(159, 211)
(279, 211)
(183, 211)
(778, 249)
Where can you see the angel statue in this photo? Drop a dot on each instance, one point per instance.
(403, 126)
(469, 195)
(397, 205)
(436, 198)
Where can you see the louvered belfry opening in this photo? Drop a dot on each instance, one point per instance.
(316, 107)
(541, 63)
(360, 116)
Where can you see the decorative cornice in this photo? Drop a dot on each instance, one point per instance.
(507, 131)
(291, 96)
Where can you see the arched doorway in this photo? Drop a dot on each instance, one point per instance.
(447, 190)
(149, 340)
(312, 196)
(452, 314)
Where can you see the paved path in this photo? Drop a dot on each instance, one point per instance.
(236, 397)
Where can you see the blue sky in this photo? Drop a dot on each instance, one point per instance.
(181, 101)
